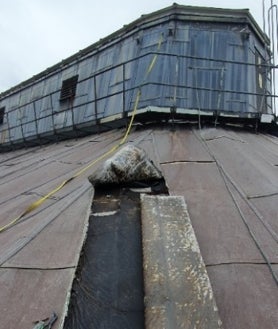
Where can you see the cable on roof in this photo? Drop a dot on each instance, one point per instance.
(37, 203)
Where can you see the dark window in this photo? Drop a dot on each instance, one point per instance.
(2, 112)
(68, 88)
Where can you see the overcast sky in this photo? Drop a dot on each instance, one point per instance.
(36, 34)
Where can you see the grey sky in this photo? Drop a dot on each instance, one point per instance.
(36, 34)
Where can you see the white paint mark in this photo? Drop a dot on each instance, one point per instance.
(104, 213)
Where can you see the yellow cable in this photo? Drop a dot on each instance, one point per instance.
(33, 206)
(11, 223)
(37, 203)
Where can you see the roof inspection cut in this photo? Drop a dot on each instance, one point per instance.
(228, 179)
(139, 180)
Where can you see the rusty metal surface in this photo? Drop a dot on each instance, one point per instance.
(178, 292)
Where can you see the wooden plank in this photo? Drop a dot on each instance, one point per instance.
(178, 292)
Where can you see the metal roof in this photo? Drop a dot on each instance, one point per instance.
(228, 178)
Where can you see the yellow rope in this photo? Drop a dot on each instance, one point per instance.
(37, 203)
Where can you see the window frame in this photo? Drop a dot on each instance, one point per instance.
(68, 89)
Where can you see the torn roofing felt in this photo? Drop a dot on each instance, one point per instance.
(108, 290)
(41, 273)
(130, 164)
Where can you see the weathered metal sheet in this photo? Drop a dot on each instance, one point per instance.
(59, 166)
(200, 65)
(178, 293)
(35, 180)
(249, 162)
(265, 147)
(148, 145)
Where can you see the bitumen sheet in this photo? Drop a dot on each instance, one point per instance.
(220, 231)
(178, 292)
(227, 176)
(245, 295)
(30, 295)
(108, 290)
(39, 255)
(58, 244)
(241, 156)
(232, 200)
(179, 145)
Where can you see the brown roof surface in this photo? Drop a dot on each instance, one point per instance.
(229, 179)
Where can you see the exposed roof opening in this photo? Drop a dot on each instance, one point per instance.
(68, 89)
(2, 112)
(141, 254)
(108, 291)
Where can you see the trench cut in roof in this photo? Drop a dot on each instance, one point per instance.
(227, 177)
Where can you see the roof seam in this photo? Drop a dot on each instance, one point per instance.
(227, 180)
(187, 161)
(240, 263)
(37, 268)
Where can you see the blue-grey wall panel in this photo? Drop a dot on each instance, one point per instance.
(200, 65)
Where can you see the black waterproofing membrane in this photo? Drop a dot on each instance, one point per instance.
(108, 290)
